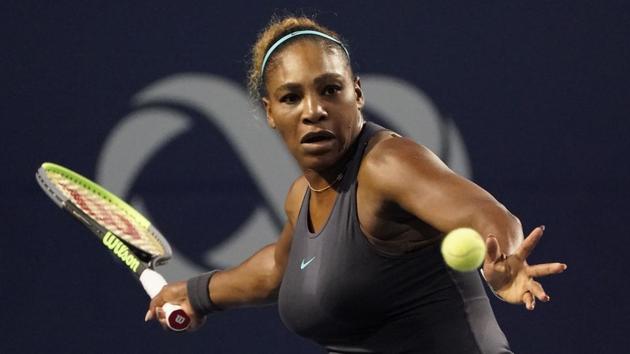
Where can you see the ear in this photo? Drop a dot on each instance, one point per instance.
(359, 93)
(270, 122)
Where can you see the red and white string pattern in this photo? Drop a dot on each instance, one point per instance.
(107, 214)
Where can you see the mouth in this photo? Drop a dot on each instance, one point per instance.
(317, 137)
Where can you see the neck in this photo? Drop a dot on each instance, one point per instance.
(322, 181)
(329, 178)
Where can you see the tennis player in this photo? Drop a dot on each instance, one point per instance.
(357, 266)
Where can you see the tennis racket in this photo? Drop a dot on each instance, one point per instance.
(128, 235)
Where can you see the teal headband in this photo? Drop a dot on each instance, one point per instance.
(295, 34)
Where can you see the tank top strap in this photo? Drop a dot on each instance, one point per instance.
(352, 168)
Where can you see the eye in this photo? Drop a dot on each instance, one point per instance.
(289, 98)
(330, 90)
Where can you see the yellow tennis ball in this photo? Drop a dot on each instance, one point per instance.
(463, 249)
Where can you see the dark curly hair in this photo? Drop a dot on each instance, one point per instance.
(276, 29)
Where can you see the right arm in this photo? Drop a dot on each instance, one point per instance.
(256, 281)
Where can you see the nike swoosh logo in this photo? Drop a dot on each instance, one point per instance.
(305, 264)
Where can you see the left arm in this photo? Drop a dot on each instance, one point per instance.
(426, 188)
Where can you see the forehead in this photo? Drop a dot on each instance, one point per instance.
(305, 59)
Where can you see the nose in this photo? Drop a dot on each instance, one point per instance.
(313, 111)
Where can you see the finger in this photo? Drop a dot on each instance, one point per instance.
(537, 290)
(542, 270)
(530, 242)
(149, 315)
(161, 317)
(159, 312)
(529, 300)
(157, 301)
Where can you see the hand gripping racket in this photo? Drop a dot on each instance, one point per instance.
(128, 235)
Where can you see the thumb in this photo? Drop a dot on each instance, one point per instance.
(493, 250)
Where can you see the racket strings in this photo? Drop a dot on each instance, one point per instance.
(106, 212)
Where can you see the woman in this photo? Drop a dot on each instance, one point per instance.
(357, 266)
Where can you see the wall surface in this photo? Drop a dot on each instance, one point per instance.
(529, 99)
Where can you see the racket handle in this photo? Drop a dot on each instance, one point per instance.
(176, 318)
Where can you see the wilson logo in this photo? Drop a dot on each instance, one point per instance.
(180, 319)
(121, 251)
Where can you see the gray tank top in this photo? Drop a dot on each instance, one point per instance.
(343, 293)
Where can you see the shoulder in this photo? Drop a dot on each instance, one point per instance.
(294, 198)
(389, 154)
(392, 162)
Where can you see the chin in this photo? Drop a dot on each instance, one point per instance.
(319, 162)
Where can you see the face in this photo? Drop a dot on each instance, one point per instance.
(314, 103)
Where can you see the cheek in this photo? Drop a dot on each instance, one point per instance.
(284, 123)
(288, 133)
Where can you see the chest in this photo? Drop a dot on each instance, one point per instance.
(382, 223)
(326, 270)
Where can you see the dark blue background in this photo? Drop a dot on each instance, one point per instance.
(539, 90)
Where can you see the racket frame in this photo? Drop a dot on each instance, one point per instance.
(140, 262)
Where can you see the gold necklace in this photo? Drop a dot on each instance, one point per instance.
(339, 176)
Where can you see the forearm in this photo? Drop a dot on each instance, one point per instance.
(426, 188)
(254, 282)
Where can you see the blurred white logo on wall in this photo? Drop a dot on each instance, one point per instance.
(142, 133)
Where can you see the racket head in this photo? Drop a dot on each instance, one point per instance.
(65, 186)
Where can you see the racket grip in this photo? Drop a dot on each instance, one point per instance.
(176, 318)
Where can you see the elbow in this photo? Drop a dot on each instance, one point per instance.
(267, 285)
